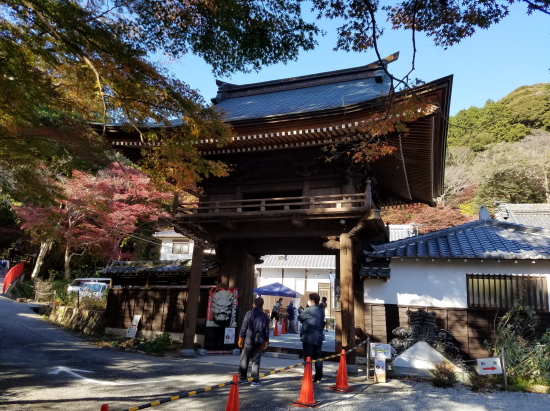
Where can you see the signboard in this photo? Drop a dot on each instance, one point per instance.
(380, 350)
(380, 369)
(132, 330)
(222, 307)
(229, 336)
(489, 366)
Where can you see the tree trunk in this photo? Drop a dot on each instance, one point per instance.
(67, 263)
(44, 248)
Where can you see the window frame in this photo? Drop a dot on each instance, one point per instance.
(180, 243)
(501, 290)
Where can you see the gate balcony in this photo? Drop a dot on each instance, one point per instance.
(312, 207)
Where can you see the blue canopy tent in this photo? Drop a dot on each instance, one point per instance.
(277, 289)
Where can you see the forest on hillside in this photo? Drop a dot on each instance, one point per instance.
(497, 153)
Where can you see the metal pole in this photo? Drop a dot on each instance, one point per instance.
(504, 370)
(368, 357)
(77, 299)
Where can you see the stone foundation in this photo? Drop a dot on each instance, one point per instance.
(84, 321)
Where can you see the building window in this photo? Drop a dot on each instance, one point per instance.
(181, 247)
(500, 291)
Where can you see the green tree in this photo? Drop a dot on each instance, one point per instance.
(66, 63)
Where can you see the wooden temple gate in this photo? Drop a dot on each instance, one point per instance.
(283, 197)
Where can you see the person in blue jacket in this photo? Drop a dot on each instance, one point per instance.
(311, 334)
(253, 338)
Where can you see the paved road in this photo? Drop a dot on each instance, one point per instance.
(43, 367)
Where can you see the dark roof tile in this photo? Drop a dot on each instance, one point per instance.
(479, 239)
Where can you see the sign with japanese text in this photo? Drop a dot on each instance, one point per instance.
(380, 350)
(229, 336)
(489, 366)
(132, 330)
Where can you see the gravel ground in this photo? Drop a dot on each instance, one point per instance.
(407, 395)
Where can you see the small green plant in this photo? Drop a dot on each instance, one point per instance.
(444, 375)
(159, 344)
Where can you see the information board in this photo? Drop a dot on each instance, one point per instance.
(229, 336)
(380, 350)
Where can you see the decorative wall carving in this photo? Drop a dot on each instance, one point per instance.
(422, 328)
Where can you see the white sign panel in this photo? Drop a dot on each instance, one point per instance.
(489, 366)
(380, 350)
(131, 333)
(380, 370)
(229, 336)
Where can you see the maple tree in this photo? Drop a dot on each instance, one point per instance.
(427, 218)
(94, 213)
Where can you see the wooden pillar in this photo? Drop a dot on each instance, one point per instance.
(338, 307)
(348, 299)
(239, 267)
(192, 305)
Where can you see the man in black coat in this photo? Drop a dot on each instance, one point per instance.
(311, 334)
(254, 337)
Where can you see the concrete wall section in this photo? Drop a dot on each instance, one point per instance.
(440, 282)
(166, 250)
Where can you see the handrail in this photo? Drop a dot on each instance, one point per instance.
(255, 200)
(285, 204)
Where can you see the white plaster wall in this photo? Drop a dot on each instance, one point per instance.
(441, 282)
(166, 250)
(295, 278)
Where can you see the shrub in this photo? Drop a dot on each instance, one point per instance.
(91, 302)
(444, 375)
(527, 354)
(159, 344)
(23, 290)
(44, 291)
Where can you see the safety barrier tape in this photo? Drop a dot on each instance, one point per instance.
(229, 383)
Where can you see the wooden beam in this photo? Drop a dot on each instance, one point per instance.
(371, 215)
(332, 244)
(192, 305)
(298, 221)
(227, 223)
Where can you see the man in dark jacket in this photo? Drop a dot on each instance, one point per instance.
(311, 334)
(254, 337)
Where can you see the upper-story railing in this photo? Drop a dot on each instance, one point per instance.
(336, 203)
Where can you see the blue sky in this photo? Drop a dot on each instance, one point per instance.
(488, 65)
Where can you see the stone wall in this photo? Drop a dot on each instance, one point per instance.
(85, 321)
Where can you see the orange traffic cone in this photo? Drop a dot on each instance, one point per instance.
(283, 328)
(233, 399)
(306, 393)
(104, 407)
(276, 329)
(342, 378)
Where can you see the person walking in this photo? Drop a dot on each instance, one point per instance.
(291, 312)
(253, 338)
(311, 335)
